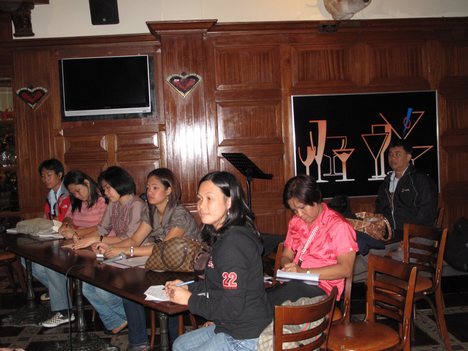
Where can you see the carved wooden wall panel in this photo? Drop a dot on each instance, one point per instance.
(316, 65)
(255, 122)
(395, 64)
(247, 67)
(242, 104)
(88, 153)
(35, 137)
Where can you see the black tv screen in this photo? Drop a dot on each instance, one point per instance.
(112, 85)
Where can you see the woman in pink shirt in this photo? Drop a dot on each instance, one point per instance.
(87, 212)
(319, 240)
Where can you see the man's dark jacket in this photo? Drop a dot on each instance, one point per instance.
(414, 201)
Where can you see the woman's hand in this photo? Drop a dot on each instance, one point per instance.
(67, 233)
(83, 243)
(291, 267)
(179, 294)
(112, 251)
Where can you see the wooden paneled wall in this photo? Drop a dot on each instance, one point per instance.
(249, 72)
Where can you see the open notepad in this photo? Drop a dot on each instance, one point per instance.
(156, 293)
(308, 278)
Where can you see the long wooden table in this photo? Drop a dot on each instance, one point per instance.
(130, 283)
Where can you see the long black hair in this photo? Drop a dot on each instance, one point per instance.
(239, 213)
(78, 178)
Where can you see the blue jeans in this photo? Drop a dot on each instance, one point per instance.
(136, 319)
(56, 283)
(108, 305)
(205, 339)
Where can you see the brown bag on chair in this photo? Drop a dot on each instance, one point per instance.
(175, 255)
(373, 224)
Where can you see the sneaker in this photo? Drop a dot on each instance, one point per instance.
(57, 319)
(45, 297)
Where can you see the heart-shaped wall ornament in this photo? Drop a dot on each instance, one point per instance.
(31, 96)
(184, 83)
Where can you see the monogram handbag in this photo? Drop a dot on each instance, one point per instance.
(373, 224)
(175, 255)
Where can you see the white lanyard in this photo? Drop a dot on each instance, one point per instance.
(308, 242)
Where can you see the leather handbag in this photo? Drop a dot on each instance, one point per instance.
(372, 224)
(174, 255)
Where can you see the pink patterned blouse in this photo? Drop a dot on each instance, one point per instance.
(334, 237)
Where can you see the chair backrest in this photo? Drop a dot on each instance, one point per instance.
(314, 321)
(390, 292)
(424, 247)
(279, 253)
(440, 217)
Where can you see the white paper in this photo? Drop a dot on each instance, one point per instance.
(129, 262)
(308, 278)
(12, 231)
(156, 293)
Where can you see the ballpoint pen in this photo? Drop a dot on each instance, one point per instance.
(185, 283)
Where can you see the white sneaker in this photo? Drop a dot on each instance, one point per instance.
(57, 319)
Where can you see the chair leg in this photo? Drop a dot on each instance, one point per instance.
(193, 321)
(181, 324)
(440, 317)
(18, 268)
(153, 328)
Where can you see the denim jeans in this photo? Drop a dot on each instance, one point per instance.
(205, 339)
(56, 283)
(108, 305)
(136, 319)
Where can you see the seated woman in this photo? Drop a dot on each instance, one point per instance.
(165, 218)
(319, 240)
(122, 216)
(232, 295)
(87, 210)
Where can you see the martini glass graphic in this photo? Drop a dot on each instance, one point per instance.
(377, 142)
(333, 143)
(343, 155)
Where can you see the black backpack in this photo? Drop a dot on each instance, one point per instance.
(456, 249)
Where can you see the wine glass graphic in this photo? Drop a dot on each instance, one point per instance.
(310, 156)
(377, 142)
(319, 149)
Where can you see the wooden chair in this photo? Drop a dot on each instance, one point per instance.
(384, 298)
(344, 305)
(317, 316)
(428, 256)
(11, 262)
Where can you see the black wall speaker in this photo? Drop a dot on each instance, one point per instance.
(104, 11)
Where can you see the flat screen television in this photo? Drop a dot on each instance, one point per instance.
(112, 86)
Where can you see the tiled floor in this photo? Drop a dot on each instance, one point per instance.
(35, 338)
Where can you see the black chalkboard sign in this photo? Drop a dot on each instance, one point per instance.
(342, 140)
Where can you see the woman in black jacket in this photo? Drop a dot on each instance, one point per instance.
(232, 294)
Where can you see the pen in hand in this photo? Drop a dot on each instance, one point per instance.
(183, 283)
